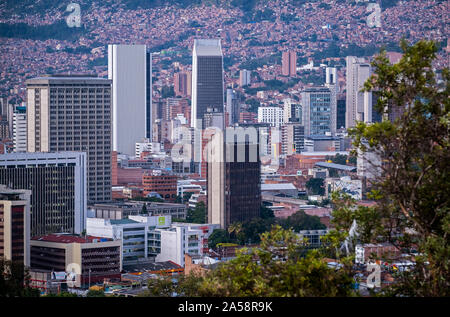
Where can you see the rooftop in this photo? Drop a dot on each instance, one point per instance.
(337, 166)
(68, 238)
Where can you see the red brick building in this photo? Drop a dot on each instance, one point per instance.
(163, 184)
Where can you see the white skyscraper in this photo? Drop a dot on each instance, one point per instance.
(358, 104)
(127, 67)
(20, 129)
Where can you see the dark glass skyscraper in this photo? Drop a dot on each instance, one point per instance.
(207, 79)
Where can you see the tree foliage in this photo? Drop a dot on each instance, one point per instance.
(412, 142)
(275, 269)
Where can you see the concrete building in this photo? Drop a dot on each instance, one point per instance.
(20, 129)
(15, 225)
(177, 241)
(207, 79)
(164, 184)
(73, 113)
(292, 112)
(358, 104)
(183, 84)
(289, 63)
(244, 77)
(127, 68)
(58, 185)
(86, 259)
(292, 138)
(272, 115)
(318, 111)
(140, 241)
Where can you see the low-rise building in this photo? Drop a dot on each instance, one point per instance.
(87, 259)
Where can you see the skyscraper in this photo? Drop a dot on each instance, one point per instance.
(73, 113)
(127, 68)
(207, 79)
(289, 63)
(232, 107)
(244, 77)
(318, 111)
(233, 178)
(358, 104)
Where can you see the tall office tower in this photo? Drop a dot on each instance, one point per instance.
(20, 129)
(148, 94)
(58, 188)
(73, 113)
(358, 104)
(127, 68)
(233, 179)
(15, 225)
(232, 107)
(292, 112)
(331, 76)
(244, 77)
(340, 113)
(289, 63)
(182, 84)
(318, 111)
(272, 115)
(207, 79)
(292, 138)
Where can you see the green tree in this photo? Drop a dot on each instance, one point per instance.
(159, 287)
(412, 192)
(315, 186)
(301, 221)
(15, 280)
(275, 269)
(198, 214)
(95, 293)
(218, 236)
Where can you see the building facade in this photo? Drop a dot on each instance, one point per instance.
(20, 129)
(58, 185)
(207, 79)
(15, 225)
(318, 111)
(127, 70)
(73, 113)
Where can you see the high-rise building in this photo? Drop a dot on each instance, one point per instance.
(15, 225)
(233, 179)
(358, 104)
(148, 94)
(244, 77)
(340, 113)
(207, 79)
(127, 70)
(272, 115)
(292, 112)
(232, 107)
(73, 113)
(289, 63)
(58, 188)
(292, 138)
(20, 129)
(318, 111)
(182, 84)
